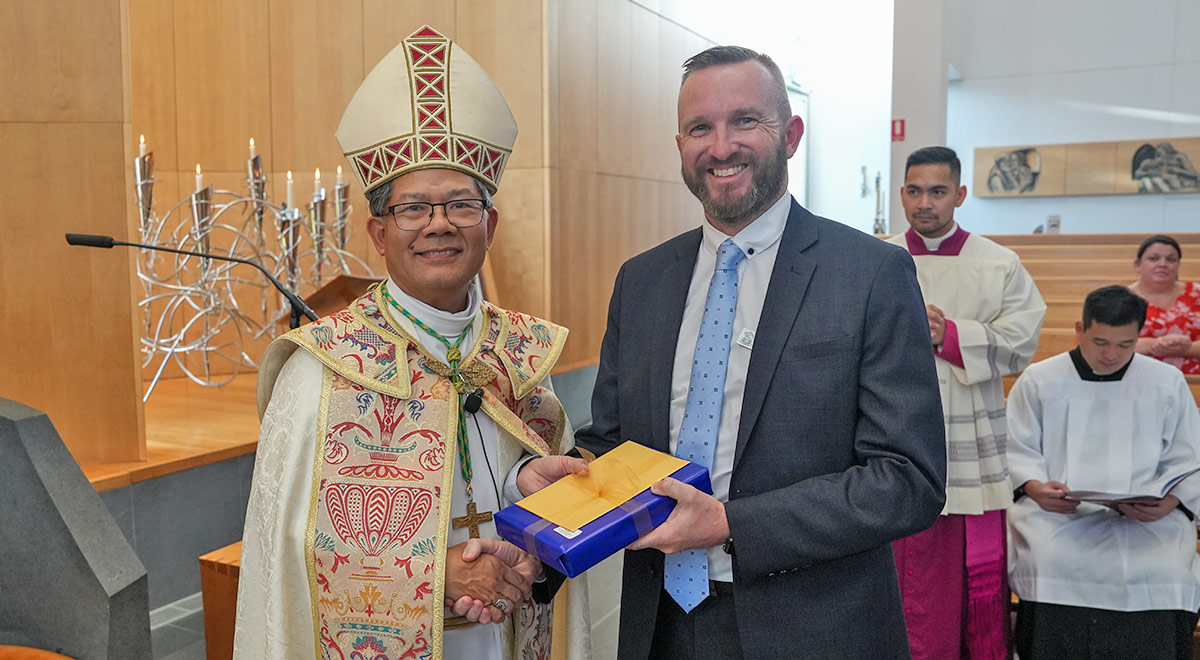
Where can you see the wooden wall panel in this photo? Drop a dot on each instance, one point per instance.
(62, 61)
(614, 91)
(616, 189)
(520, 251)
(507, 39)
(387, 22)
(73, 360)
(222, 82)
(645, 96)
(574, 226)
(315, 69)
(1091, 168)
(575, 72)
(152, 80)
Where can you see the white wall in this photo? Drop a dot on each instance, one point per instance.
(842, 54)
(919, 78)
(1036, 72)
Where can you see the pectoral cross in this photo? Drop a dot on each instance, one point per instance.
(472, 520)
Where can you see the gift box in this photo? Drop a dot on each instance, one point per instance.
(578, 521)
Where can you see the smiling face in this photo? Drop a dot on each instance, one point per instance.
(1159, 264)
(929, 197)
(733, 143)
(436, 264)
(1107, 348)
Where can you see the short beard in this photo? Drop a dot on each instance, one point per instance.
(765, 188)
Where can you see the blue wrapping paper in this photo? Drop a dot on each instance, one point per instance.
(572, 553)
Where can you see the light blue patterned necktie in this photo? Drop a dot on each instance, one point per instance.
(686, 573)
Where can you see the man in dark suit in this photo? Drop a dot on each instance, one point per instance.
(790, 355)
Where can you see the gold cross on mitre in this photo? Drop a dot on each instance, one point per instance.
(472, 520)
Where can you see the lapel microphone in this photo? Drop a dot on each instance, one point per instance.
(474, 400)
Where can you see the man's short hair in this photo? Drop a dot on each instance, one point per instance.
(379, 196)
(1114, 306)
(1159, 238)
(935, 156)
(718, 55)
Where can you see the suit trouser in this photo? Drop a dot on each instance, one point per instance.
(709, 632)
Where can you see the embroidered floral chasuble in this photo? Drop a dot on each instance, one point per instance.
(385, 468)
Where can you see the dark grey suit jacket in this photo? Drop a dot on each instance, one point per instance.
(840, 449)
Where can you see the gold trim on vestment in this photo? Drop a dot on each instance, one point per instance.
(310, 529)
(443, 537)
(510, 423)
(556, 347)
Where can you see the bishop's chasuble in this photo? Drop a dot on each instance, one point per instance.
(358, 469)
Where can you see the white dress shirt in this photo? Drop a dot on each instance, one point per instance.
(759, 241)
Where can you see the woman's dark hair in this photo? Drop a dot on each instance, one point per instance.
(1160, 238)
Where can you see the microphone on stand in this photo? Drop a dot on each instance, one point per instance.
(298, 305)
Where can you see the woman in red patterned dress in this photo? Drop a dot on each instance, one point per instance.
(1172, 330)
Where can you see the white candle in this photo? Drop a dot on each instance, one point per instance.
(317, 182)
(199, 179)
(339, 176)
(141, 145)
(253, 152)
(289, 189)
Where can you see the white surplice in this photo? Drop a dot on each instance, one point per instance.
(997, 313)
(275, 612)
(1116, 436)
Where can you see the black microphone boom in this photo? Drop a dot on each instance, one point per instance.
(298, 304)
(90, 240)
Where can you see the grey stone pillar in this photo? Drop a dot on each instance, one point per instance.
(70, 581)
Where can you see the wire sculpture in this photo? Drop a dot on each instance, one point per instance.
(203, 314)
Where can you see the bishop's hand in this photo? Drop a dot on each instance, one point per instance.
(541, 472)
(481, 572)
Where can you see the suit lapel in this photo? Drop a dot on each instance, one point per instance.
(670, 297)
(785, 293)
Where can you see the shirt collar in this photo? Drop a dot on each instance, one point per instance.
(1085, 370)
(444, 323)
(949, 244)
(760, 234)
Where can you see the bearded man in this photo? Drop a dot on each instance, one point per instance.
(790, 355)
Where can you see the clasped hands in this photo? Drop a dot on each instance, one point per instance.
(481, 572)
(1052, 497)
(1171, 346)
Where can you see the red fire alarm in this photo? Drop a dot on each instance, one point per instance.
(897, 130)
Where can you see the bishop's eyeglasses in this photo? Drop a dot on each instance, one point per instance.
(415, 216)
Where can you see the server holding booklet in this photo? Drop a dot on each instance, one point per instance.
(1114, 577)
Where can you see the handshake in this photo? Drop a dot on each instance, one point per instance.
(486, 578)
